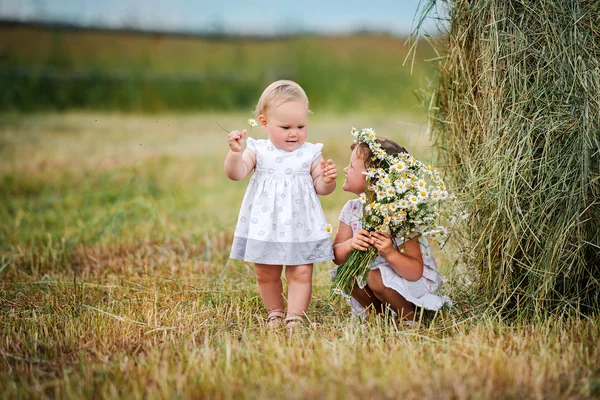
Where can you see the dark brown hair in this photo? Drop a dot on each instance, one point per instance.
(389, 146)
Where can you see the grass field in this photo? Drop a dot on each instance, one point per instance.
(115, 281)
(42, 68)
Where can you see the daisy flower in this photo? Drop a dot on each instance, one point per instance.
(420, 184)
(435, 195)
(400, 186)
(398, 166)
(402, 203)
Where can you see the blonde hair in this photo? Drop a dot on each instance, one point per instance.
(283, 91)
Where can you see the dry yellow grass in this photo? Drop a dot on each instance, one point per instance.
(114, 283)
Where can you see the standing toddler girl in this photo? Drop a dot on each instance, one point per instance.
(281, 221)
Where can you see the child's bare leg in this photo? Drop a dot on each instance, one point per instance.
(366, 298)
(268, 278)
(403, 308)
(299, 287)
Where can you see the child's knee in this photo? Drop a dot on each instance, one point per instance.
(374, 282)
(299, 273)
(268, 274)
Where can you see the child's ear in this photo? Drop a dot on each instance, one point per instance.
(262, 121)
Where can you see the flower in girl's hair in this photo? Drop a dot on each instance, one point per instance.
(252, 122)
(328, 228)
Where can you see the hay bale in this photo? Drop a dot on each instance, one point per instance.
(517, 121)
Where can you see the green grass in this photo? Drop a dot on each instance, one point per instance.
(115, 281)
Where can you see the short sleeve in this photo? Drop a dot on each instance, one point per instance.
(349, 214)
(251, 144)
(317, 148)
(398, 241)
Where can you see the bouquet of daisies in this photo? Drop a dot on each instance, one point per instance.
(404, 198)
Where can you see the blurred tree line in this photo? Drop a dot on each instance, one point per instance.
(50, 68)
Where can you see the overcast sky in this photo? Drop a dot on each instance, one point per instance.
(263, 17)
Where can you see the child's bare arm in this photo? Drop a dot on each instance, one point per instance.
(345, 242)
(240, 160)
(324, 175)
(408, 264)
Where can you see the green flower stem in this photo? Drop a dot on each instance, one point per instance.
(357, 265)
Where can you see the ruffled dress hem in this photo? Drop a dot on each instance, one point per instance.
(281, 253)
(428, 301)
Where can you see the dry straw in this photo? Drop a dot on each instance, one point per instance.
(517, 120)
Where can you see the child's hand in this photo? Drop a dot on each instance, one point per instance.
(361, 240)
(383, 243)
(329, 171)
(236, 141)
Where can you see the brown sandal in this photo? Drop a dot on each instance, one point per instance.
(294, 320)
(274, 319)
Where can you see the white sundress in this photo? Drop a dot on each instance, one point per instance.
(422, 292)
(281, 221)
